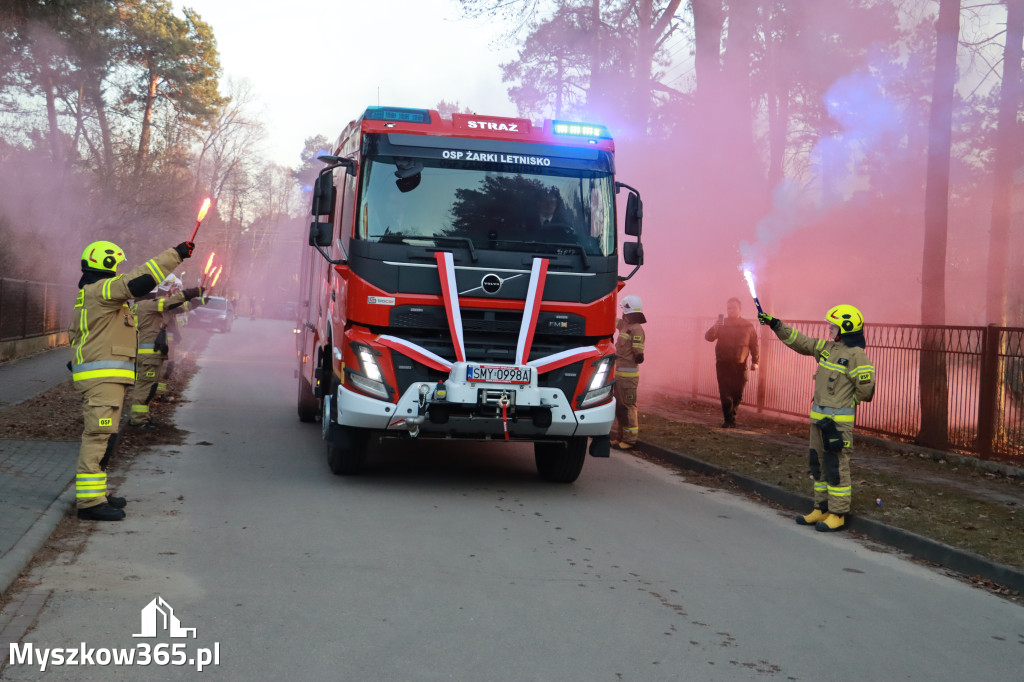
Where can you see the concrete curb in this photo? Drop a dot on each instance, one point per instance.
(915, 545)
(14, 562)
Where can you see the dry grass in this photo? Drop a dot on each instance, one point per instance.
(946, 499)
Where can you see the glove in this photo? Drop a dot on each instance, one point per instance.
(189, 294)
(765, 318)
(185, 249)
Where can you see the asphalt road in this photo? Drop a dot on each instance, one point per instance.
(458, 563)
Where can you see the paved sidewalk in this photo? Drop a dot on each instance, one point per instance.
(27, 377)
(34, 474)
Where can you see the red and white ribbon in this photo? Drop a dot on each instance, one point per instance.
(446, 271)
(534, 295)
(417, 353)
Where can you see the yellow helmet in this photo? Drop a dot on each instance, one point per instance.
(102, 256)
(846, 317)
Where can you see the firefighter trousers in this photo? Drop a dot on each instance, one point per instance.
(147, 374)
(627, 423)
(101, 414)
(831, 471)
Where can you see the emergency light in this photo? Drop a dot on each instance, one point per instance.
(580, 129)
(397, 114)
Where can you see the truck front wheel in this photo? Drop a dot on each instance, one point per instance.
(560, 461)
(346, 451)
(346, 447)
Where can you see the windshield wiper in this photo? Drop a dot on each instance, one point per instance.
(461, 240)
(399, 238)
(533, 246)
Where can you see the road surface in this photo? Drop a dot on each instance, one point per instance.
(459, 563)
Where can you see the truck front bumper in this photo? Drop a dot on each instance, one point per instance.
(473, 410)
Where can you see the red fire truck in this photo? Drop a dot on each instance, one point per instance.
(462, 285)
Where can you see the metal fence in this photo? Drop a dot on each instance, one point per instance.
(983, 368)
(30, 308)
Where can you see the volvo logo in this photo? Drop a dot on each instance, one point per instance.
(491, 283)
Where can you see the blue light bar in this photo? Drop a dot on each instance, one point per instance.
(397, 114)
(580, 129)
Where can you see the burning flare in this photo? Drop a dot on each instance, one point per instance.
(199, 218)
(748, 275)
(203, 210)
(216, 276)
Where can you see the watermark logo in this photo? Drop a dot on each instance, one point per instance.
(158, 615)
(157, 620)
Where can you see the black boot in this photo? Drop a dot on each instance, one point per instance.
(101, 512)
(117, 502)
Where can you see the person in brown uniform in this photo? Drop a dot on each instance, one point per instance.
(629, 354)
(103, 343)
(736, 340)
(149, 311)
(844, 378)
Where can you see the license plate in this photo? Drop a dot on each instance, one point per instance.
(499, 374)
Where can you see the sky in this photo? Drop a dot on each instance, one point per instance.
(315, 65)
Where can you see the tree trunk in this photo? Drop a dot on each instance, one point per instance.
(96, 95)
(933, 380)
(147, 122)
(1007, 151)
(708, 20)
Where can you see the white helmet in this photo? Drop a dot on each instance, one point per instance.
(166, 284)
(631, 304)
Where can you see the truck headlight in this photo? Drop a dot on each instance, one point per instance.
(370, 379)
(600, 386)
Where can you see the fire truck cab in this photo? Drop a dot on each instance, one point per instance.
(462, 284)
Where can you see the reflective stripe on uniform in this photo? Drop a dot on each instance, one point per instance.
(838, 416)
(161, 386)
(820, 344)
(90, 486)
(83, 326)
(863, 372)
(839, 490)
(154, 268)
(103, 368)
(820, 486)
(147, 351)
(831, 365)
(160, 304)
(627, 372)
(792, 337)
(140, 409)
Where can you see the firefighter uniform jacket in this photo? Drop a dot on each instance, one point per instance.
(103, 333)
(844, 378)
(149, 318)
(629, 349)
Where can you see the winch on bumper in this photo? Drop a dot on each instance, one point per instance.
(461, 407)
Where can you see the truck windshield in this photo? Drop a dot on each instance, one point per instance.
(494, 206)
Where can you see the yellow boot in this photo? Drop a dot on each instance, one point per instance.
(830, 523)
(812, 518)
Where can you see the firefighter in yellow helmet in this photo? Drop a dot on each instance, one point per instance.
(149, 310)
(629, 354)
(103, 344)
(845, 377)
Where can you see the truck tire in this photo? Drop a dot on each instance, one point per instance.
(309, 411)
(560, 462)
(346, 451)
(346, 447)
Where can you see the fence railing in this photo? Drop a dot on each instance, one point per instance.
(30, 308)
(984, 371)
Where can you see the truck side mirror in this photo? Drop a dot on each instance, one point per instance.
(320, 233)
(324, 194)
(634, 215)
(633, 253)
